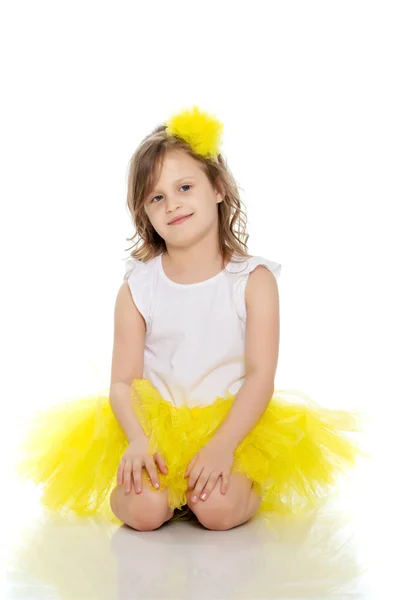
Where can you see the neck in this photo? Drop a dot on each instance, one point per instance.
(201, 258)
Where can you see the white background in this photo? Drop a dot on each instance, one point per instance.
(308, 93)
(309, 96)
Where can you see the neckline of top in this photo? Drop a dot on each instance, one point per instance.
(189, 285)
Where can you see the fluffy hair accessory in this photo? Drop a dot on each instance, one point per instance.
(202, 131)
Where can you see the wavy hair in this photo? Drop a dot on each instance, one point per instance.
(143, 170)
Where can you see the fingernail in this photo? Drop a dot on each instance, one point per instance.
(203, 496)
(157, 485)
(194, 498)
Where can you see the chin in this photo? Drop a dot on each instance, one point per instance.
(184, 239)
(179, 241)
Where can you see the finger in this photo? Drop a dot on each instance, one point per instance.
(152, 471)
(120, 473)
(200, 485)
(205, 493)
(224, 483)
(137, 476)
(191, 465)
(128, 476)
(161, 463)
(194, 475)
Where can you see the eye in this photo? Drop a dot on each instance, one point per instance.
(160, 196)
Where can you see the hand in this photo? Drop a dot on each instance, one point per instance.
(214, 460)
(135, 457)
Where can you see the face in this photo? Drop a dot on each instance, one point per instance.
(182, 189)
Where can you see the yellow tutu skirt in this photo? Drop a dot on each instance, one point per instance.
(293, 455)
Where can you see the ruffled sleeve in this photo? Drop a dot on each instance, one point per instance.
(240, 274)
(139, 280)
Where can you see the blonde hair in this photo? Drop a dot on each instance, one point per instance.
(142, 174)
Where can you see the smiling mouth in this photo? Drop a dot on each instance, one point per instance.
(181, 220)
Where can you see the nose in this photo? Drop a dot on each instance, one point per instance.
(172, 203)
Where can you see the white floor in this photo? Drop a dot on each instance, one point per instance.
(347, 549)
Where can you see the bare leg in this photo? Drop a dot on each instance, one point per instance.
(225, 511)
(145, 511)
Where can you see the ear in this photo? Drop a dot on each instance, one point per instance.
(219, 191)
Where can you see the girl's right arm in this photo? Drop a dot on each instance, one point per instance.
(127, 361)
(127, 365)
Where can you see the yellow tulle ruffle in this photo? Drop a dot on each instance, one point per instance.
(293, 455)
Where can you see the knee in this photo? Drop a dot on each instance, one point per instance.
(217, 514)
(145, 521)
(143, 512)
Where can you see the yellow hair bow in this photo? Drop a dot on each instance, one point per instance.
(203, 132)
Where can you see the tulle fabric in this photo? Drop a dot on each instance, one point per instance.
(294, 455)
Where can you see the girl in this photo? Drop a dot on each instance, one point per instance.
(192, 421)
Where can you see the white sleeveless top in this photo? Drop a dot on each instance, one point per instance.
(195, 333)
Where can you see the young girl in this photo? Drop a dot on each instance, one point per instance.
(192, 421)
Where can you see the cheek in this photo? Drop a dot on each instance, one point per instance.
(210, 209)
(149, 213)
(149, 221)
(155, 219)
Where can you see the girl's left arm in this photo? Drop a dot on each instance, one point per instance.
(261, 358)
(216, 457)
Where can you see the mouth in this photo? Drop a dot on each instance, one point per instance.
(180, 220)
